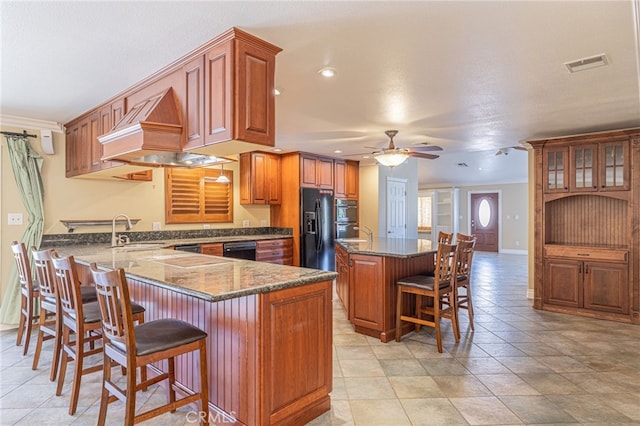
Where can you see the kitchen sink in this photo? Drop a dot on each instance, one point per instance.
(353, 240)
(139, 246)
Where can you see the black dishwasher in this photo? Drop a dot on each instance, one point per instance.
(193, 248)
(240, 250)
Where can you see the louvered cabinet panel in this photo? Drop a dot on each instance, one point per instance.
(193, 196)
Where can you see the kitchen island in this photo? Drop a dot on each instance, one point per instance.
(367, 275)
(269, 327)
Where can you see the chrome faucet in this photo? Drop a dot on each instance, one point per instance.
(119, 240)
(369, 233)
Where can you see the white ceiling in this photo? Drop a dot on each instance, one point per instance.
(469, 76)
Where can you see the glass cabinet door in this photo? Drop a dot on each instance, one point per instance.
(555, 167)
(614, 166)
(583, 162)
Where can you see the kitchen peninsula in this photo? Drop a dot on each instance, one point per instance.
(367, 273)
(269, 327)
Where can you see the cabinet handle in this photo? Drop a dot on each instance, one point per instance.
(583, 254)
(586, 268)
(580, 268)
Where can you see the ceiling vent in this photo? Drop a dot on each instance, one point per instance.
(587, 63)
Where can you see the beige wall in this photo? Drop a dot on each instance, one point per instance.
(96, 199)
(368, 209)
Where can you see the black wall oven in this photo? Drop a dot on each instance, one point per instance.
(346, 219)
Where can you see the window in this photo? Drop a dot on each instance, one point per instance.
(193, 196)
(424, 213)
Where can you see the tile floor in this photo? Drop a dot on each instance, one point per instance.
(519, 366)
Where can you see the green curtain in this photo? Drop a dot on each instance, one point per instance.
(26, 164)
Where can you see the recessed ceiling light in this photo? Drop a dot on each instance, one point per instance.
(337, 151)
(587, 63)
(366, 156)
(277, 150)
(480, 168)
(327, 72)
(276, 92)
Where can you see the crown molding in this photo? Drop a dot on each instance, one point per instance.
(30, 123)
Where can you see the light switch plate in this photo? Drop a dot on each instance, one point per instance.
(155, 226)
(245, 223)
(14, 219)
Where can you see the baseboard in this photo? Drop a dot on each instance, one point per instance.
(529, 293)
(513, 251)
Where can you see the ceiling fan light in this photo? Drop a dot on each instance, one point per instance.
(392, 157)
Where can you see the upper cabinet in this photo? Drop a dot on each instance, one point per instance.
(345, 180)
(316, 172)
(602, 165)
(260, 178)
(223, 92)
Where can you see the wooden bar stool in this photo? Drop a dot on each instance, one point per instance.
(81, 319)
(29, 292)
(445, 238)
(466, 245)
(50, 323)
(440, 288)
(137, 346)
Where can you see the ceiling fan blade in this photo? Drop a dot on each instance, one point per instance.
(520, 148)
(423, 155)
(425, 148)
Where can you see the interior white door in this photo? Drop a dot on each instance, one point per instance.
(396, 207)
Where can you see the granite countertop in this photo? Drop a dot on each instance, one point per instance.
(391, 247)
(210, 278)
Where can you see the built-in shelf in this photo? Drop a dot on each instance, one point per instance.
(76, 223)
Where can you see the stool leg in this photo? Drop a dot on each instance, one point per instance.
(398, 314)
(29, 324)
(23, 309)
(63, 362)
(470, 306)
(36, 355)
(77, 373)
(172, 380)
(57, 347)
(204, 384)
(130, 408)
(104, 396)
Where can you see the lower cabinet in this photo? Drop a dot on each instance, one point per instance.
(366, 292)
(590, 285)
(214, 249)
(279, 251)
(342, 282)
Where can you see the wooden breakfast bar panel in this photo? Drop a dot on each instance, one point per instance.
(269, 328)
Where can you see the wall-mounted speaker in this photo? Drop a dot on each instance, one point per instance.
(47, 141)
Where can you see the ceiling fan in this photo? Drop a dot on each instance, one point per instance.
(392, 156)
(507, 150)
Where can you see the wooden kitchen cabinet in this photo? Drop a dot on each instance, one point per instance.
(366, 291)
(316, 172)
(213, 249)
(278, 251)
(260, 178)
(587, 248)
(346, 176)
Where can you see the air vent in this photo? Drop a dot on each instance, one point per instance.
(587, 63)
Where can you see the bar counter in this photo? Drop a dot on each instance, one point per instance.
(269, 327)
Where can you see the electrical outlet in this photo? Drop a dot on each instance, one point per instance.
(15, 219)
(263, 222)
(245, 223)
(155, 226)
(206, 226)
(517, 243)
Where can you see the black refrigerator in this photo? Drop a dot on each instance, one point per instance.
(316, 235)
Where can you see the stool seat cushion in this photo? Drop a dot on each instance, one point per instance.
(421, 281)
(163, 334)
(88, 293)
(91, 311)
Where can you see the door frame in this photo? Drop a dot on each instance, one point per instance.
(487, 191)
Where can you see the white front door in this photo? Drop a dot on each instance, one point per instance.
(396, 207)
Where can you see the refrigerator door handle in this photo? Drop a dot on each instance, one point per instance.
(318, 226)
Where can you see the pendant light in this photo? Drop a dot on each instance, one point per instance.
(222, 178)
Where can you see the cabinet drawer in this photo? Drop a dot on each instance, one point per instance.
(278, 253)
(586, 253)
(270, 244)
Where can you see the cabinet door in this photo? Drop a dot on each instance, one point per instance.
(614, 166)
(193, 105)
(70, 149)
(366, 291)
(606, 287)
(274, 179)
(213, 249)
(83, 148)
(106, 124)
(255, 98)
(342, 281)
(325, 173)
(218, 103)
(260, 185)
(562, 282)
(584, 164)
(308, 171)
(352, 176)
(340, 176)
(95, 147)
(555, 170)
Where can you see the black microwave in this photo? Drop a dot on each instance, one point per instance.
(346, 211)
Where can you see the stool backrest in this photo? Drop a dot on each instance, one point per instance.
(22, 263)
(68, 287)
(44, 272)
(463, 237)
(465, 256)
(445, 238)
(446, 260)
(115, 305)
